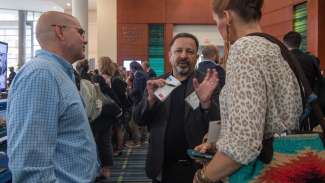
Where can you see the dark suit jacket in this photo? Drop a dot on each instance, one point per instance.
(308, 65)
(151, 73)
(139, 85)
(210, 64)
(196, 126)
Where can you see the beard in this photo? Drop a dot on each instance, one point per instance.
(183, 67)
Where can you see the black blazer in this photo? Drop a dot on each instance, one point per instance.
(308, 65)
(196, 126)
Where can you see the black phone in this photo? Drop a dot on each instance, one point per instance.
(198, 155)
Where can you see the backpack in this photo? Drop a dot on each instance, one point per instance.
(90, 97)
(319, 88)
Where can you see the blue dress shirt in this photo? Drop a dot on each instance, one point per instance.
(49, 137)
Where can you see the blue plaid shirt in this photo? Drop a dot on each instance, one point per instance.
(49, 137)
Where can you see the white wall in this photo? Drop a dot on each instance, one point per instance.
(92, 34)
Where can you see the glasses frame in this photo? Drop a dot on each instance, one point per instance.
(80, 30)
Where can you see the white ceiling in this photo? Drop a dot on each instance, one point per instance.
(62, 3)
(41, 5)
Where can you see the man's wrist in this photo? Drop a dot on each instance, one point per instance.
(151, 100)
(205, 105)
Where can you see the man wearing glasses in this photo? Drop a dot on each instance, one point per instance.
(49, 138)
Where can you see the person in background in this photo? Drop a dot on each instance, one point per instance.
(49, 137)
(102, 126)
(210, 61)
(260, 89)
(95, 75)
(12, 75)
(146, 67)
(83, 67)
(123, 72)
(173, 124)
(139, 78)
(308, 62)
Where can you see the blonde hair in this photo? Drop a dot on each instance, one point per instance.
(107, 66)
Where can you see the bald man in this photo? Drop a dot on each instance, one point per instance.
(49, 138)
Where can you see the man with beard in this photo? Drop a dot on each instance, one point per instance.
(173, 124)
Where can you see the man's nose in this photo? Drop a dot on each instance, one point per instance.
(183, 54)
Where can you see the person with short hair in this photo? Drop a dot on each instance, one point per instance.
(146, 67)
(211, 61)
(174, 124)
(49, 137)
(308, 62)
(12, 75)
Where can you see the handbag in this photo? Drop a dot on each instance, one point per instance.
(293, 158)
(110, 108)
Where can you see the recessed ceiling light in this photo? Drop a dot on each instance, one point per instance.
(69, 4)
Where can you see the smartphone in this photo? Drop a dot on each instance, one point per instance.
(198, 155)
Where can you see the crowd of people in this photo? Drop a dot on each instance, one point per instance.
(66, 124)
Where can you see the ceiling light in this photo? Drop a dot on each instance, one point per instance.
(69, 4)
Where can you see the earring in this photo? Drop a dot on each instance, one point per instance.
(226, 46)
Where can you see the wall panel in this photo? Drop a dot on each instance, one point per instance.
(321, 33)
(277, 16)
(189, 12)
(141, 11)
(132, 42)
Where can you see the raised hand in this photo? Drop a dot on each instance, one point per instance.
(205, 89)
(152, 85)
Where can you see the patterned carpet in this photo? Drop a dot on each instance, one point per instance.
(129, 167)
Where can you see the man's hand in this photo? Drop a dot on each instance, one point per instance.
(152, 85)
(205, 89)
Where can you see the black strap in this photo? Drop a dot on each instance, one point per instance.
(306, 91)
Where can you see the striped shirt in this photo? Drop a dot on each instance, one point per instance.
(49, 137)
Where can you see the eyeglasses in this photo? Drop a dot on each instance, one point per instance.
(79, 30)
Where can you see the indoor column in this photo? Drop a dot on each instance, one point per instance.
(106, 29)
(22, 37)
(80, 11)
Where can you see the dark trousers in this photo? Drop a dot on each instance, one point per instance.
(178, 172)
(103, 139)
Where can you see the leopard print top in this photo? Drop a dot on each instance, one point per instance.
(261, 97)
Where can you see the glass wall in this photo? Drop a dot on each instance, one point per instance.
(9, 34)
(31, 42)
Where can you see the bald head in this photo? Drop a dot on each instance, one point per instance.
(44, 33)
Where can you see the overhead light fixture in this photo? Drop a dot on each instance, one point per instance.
(69, 4)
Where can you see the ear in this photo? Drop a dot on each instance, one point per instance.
(170, 55)
(228, 17)
(58, 33)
